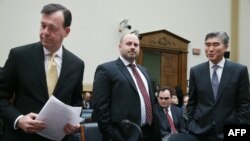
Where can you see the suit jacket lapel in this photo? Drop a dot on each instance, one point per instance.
(205, 74)
(150, 90)
(38, 57)
(164, 117)
(175, 116)
(125, 72)
(64, 69)
(224, 79)
(145, 75)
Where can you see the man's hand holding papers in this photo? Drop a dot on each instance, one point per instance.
(60, 119)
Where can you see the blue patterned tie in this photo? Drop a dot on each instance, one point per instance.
(215, 81)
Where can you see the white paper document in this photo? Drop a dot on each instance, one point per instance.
(56, 114)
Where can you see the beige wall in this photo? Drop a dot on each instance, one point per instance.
(94, 35)
(244, 33)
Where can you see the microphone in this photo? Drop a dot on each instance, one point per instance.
(128, 123)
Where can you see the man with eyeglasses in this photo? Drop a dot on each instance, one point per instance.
(170, 116)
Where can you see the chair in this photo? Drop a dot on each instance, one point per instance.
(130, 130)
(90, 132)
(180, 137)
(86, 115)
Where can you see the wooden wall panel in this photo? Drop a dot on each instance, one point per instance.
(173, 50)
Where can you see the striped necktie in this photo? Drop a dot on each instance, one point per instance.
(149, 116)
(170, 121)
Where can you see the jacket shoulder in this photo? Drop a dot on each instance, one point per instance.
(72, 56)
(26, 47)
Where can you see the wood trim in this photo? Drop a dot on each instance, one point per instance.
(234, 30)
(82, 132)
(87, 87)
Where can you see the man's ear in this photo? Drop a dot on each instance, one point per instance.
(67, 31)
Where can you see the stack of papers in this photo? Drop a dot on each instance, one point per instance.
(56, 114)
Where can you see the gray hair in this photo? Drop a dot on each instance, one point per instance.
(221, 35)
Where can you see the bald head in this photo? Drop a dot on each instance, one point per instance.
(127, 35)
(129, 47)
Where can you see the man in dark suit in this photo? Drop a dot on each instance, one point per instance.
(87, 100)
(118, 96)
(25, 74)
(218, 90)
(162, 107)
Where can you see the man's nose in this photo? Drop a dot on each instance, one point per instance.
(45, 31)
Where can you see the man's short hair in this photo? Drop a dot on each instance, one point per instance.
(51, 8)
(221, 34)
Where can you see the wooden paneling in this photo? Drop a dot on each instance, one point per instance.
(173, 50)
(169, 69)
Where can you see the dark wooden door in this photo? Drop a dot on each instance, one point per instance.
(165, 55)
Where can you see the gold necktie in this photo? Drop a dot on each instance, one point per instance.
(51, 74)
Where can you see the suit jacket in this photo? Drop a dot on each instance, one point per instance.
(164, 124)
(116, 98)
(25, 77)
(231, 105)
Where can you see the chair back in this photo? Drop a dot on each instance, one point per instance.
(86, 115)
(90, 132)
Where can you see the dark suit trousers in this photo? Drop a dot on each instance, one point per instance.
(147, 131)
(209, 136)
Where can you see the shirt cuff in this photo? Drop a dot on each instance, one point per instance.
(15, 126)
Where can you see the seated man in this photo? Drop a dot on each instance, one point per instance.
(175, 100)
(87, 102)
(170, 116)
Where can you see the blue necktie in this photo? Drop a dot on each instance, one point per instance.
(215, 81)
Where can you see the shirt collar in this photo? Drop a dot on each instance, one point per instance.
(220, 64)
(58, 52)
(125, 62)
(169, 109)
